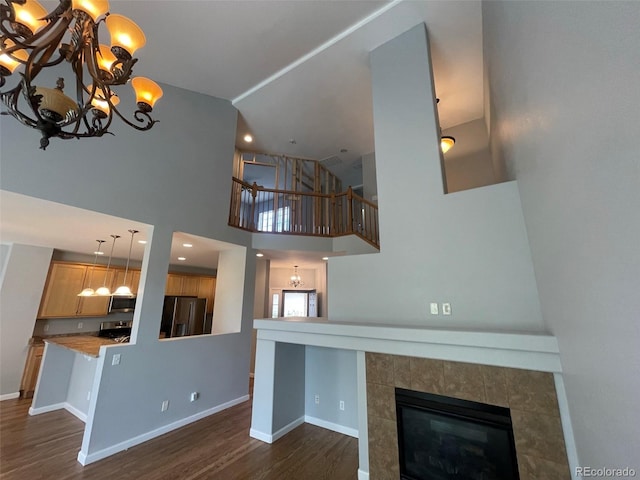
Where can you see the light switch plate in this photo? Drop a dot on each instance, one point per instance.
(446, 309)
(116, 359)
(434, 308)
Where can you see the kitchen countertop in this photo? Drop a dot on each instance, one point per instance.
(85, 344)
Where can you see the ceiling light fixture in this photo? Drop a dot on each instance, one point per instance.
(446, 142)
(90, 292)
(325, 258)
(32, 40)
(124, 290)
(248, 138)
(104, 291)
(187, 245)
(296, 281)
(182, 259)
(259, 254)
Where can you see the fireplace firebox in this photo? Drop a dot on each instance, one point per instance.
(443, 438)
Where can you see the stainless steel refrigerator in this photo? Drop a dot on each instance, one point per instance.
(182, 316)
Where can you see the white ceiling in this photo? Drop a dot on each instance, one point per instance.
(293, 69)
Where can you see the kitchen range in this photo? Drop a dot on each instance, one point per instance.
(119, 332)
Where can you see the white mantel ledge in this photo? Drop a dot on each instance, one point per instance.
(531, 351)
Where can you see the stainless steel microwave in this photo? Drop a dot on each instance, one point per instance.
(122, 304)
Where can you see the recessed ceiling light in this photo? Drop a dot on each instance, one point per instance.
(187, 245)
(248, 138)
(343, 150)
(259, 254)
(142, 242)
(325, 258)
(182, 259)
(292, 141)
(99, 253)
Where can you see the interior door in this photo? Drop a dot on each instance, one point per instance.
(295, 304)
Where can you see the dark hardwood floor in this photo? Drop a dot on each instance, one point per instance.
(218, 447)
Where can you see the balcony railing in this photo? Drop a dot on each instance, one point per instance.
(266, 210)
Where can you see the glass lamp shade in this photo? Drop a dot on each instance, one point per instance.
(105, 58)
(87, 292)
(123, 291)
(53, 100)
(9, 63)
(100, 103)
(446, 143)
(125, 33)
(94, 8)
(103, 291)
(147, 91)
(30, 14)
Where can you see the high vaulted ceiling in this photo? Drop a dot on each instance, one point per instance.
(295, 70)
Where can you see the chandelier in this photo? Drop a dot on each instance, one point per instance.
(296, 281)
(33, 40)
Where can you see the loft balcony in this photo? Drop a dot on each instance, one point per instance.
(290, 196)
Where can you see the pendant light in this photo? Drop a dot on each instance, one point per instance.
(104, 291)
(296, 280)
(123, 290)
(90, 292)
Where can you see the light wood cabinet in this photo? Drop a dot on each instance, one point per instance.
(65, 281)
(31, 370)
(207, 289)
(132, 280)
(60, 298)
(174, 284)
(190, 285)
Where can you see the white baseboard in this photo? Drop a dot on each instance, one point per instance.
(74, 411)
(9, 396)
(49, 408)
(85, 458)
(270, 438)
(352, 432)
(59, 406)
(362, 475)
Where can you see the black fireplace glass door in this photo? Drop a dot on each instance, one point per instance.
(437, 445)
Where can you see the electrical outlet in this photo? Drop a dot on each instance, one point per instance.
(89, 395)
(194, 396)
(80, 325)
(434, 308)
(165, 406)
(317, 399)
(116, 359)
(446, 309)
(342, 405)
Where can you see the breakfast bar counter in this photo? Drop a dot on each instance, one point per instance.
(85, 344)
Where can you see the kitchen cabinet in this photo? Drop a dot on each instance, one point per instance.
(65, 281)
(207, 289)
(183, 285)
(133, 279)
(31, 370)
(174, 284)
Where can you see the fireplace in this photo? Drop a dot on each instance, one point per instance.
(444, 438)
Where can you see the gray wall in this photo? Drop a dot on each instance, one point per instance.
(289, 380)
(169, 177)
(21, 285)
(467, 248)
(564, 97)
(330, 373)
(469, 163)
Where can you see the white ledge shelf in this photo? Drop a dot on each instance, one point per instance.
(531, 351)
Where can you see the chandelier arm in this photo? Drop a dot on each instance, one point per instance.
(10, 100)
(140, 116)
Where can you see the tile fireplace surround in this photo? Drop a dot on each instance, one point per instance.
(530, 395)
(515, 370)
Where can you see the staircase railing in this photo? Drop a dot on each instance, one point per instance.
(266, 210)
